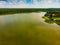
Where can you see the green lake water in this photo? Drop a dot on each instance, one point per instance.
(28, 29)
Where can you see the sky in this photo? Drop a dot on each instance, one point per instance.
(29, 3)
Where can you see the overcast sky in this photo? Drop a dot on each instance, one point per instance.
(29, 3)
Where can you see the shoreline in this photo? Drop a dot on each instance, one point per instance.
(4, 11)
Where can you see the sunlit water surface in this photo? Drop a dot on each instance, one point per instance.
(28, 29)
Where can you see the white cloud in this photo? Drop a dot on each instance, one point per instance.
(2, 2)
(43, 4)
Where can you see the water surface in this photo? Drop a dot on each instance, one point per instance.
(28, 29)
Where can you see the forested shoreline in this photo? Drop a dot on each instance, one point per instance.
(4, 11)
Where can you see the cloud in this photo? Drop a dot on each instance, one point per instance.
(35, 4)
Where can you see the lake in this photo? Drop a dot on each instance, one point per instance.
(28, 29)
